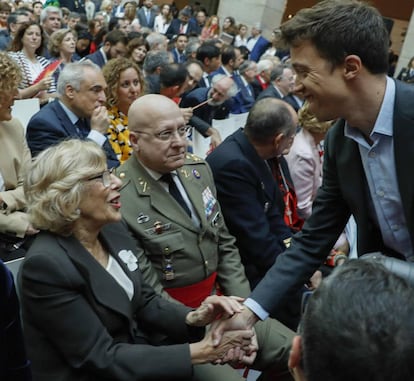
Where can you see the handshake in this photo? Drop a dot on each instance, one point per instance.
(224, 341)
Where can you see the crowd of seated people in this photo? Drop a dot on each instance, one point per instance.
(119, 223)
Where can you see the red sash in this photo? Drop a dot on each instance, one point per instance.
(194, 294)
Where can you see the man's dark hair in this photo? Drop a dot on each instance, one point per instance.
(207, 51)
(268, 118)
(173, 74)
(341, 28)
(228, 53)
(359, 326)
(115, 36)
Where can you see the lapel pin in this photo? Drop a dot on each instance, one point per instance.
(196, 174)
(142, 218)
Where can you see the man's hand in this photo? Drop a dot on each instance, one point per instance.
(240, 321)
(213, 307)
(187, 114)
(99, 120)
(215, 138)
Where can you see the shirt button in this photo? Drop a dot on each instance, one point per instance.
(372, 154)
(380, 193)
(395, 227)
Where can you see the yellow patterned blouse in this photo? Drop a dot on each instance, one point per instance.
(118, 134)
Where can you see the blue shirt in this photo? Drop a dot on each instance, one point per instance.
(378, 161)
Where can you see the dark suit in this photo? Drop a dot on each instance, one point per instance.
(51, 125)
(174, 28)
(344, 192)
(142, 18)
(270, 92)
(292, 101)
(80, 324)
(250, 200)
(259, 48)
(177, 56)
(14, 365)
(97, 58)
(244, 99)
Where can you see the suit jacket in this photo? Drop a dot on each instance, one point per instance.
(14, 365)
(14, 161)
(270, 92)
(250, 202)
(259, 48)
(305, 166)
(79, 323)
(142, 18)
(51, 125)
(97, 58)
(174, 28)
(244, 99)
(196, 251)
(178, 58)
(344, 191)
(292, 101)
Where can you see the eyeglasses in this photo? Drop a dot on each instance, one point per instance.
(104, 177)
(167, 135)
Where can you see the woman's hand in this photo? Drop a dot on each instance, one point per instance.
(214, 307)
(233, 346)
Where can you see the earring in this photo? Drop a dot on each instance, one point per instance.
(78, 211)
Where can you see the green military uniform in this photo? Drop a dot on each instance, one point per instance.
(170, 237)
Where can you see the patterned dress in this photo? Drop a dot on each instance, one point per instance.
(118, 134)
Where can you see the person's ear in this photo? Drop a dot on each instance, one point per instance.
(69, 91)
(295, 358)
(352, 66)
(133, 138)
(106, 47)
(277, 140)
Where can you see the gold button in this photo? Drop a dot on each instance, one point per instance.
(122, 175)
(167, 249)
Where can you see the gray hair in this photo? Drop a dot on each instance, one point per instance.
(232, 91)
(74, 74)
(50, 9)
(155, 59)
(54, 185)
(264, 65)
(155, 39)
(246, 65)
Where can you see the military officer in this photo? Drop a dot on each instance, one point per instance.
(169, 203)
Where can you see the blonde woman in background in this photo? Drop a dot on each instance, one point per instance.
(125, 84)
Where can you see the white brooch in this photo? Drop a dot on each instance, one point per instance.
(129, 259)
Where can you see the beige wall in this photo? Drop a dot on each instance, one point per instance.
(268, 12)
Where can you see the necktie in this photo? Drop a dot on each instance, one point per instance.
(148, 17)
(82, 128)
(181, 28)
(172, 188)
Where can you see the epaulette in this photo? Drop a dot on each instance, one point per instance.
(191, 156)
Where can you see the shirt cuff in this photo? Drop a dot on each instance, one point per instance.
(97, 137)
(256, 308)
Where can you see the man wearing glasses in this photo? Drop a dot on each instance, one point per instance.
(78, 112)
(169, 203)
